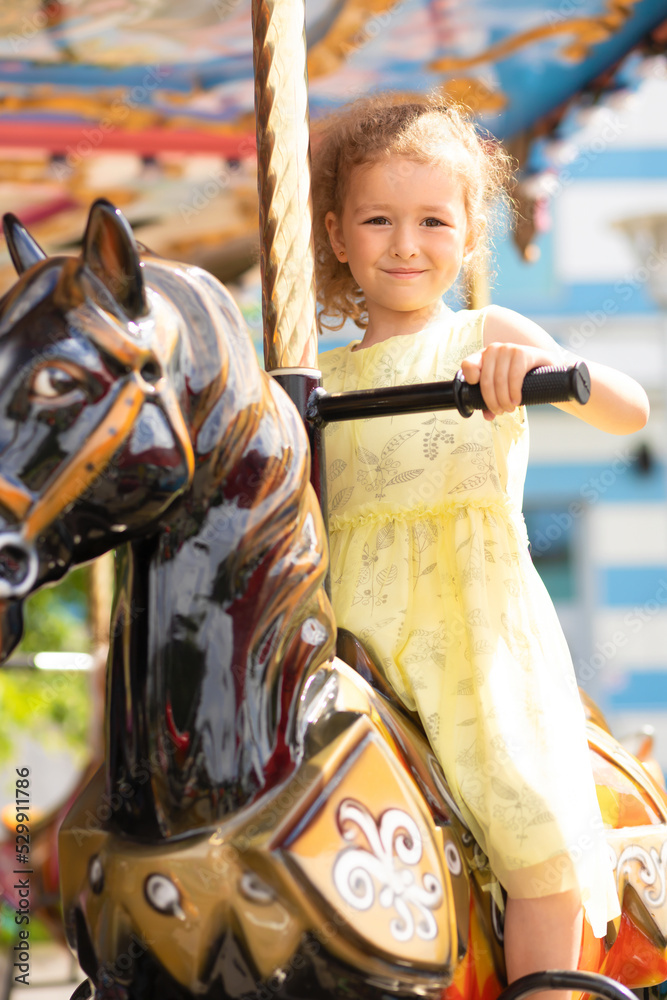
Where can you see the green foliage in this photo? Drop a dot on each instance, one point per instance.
(50, 706)
(56, 617)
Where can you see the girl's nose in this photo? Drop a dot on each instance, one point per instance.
(403, 244)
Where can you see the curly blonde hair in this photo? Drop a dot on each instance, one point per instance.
(422, 128)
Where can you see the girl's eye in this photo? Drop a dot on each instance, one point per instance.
(433, 223)
(51, 382)
(378, 221)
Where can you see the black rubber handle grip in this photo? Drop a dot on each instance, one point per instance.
(568, 979)
(556, 384)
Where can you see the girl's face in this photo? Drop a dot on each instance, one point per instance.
(403, 233)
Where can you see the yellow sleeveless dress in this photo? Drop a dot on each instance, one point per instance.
(431, 569)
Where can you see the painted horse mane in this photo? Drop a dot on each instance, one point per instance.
(220, 611)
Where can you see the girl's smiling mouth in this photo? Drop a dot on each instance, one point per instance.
(401, 272)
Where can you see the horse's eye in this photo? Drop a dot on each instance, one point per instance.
(52, 382)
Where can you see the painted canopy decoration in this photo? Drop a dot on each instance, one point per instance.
(150, 102)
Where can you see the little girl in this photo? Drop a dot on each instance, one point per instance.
(429, 555)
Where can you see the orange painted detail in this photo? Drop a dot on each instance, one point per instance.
(179, 428)
(15, 498)
(624, 802)
(90, 461)
(592, 954)
(121, 345)
(634, 959)
(637, 795)
(475, 977)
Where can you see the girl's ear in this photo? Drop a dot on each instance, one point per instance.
(335, 236)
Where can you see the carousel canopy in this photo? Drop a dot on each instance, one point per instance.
(150, 102)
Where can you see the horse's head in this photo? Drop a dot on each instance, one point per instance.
(132, 408)
(93, 443)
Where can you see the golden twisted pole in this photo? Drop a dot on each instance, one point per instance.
(283, 177)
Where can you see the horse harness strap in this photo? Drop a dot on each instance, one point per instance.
(36, 513)
(90, 461)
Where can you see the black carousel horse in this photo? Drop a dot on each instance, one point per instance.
(267, 824)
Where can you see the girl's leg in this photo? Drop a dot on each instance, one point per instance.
(543, 933)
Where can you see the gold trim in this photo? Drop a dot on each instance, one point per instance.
(475, 94)
(356, 19)
(587, 31)
(615, 754)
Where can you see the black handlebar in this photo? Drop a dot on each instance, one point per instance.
(543, 385)
(593, 983)
(556, 384)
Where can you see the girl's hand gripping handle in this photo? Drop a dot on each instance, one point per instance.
(556, 384)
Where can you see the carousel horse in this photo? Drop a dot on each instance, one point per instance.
(269, 821)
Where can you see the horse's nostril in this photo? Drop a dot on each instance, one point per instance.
(151, 372)
(18, 566)
(13, 564)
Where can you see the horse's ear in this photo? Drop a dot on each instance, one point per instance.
(23, 250)
(110, 251)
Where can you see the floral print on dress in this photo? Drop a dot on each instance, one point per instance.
(433, 725)
(477, 618)
(473, 755)
(392, 371)
(384, 471)
(520, 810)
(448, 366)
(340, 497)
(437, 434)
(366, 633)
(375, 583)
(480, 456)
(428, 644)
(469, 685)
(424, 534)
(519, 642)
(472, 558)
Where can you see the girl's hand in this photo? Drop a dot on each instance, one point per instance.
(500, 369)
(513, 345)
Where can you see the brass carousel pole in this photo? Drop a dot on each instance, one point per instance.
(285, 213)
(99, 615)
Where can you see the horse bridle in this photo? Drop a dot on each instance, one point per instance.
(36, 512)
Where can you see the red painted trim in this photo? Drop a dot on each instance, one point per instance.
(33, 214)
(81, 139)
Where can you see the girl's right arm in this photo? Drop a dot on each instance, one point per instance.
(513, 345)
